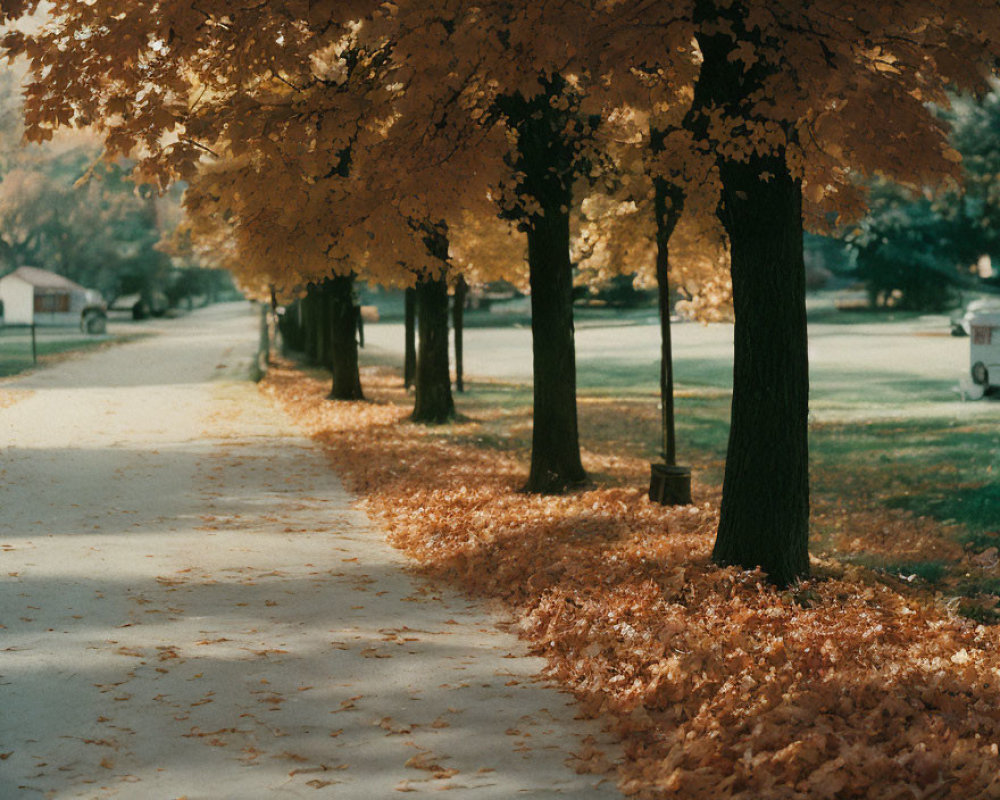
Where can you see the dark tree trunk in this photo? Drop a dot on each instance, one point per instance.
(549, 130)
(458, 326)
(290, 324)
(765, 501)
(324, 329)
(765, 495)
(433, 402)
(273, 319)
(555, 447)
(344, 344)
(310, 323)
(667, 426)
(410, 332)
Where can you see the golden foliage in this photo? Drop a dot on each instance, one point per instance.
(259, 104)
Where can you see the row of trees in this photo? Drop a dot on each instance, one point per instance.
(413, 141)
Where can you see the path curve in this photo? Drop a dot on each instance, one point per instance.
(191, 607)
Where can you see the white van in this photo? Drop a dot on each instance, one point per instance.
(984, 330)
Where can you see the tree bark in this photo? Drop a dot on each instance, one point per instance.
(310, 323)
(555, 448)
(458, 326)
(765, 501)
(668, 204)
(410, 332)
(433, 402)
(548, 160)
(765, 496)
(324, 328)
(346, 384)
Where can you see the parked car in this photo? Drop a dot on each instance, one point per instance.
(141, 306)
(94, 319)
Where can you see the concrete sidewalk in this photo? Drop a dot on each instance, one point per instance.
(191, 607)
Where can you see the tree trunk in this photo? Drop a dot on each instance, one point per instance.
(549, 131)
(433, 402)
(273, 319)
(344, 344)
(765, 494)
(458, 326)
(310, 323)
(324, 329)
(668, 204)
(410, 332)
(669, 484)
(555, 443)
(765, 498)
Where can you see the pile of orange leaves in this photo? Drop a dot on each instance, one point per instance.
(718, 685)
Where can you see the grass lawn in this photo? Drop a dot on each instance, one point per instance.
(15, 348)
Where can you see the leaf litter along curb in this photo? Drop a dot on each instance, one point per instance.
(718, 685)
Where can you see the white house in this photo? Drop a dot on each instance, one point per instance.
(38, 296)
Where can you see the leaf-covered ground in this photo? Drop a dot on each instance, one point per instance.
(850, 686)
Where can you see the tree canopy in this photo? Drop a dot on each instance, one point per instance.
(328, 138)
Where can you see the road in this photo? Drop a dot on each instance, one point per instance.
(191, 606)
(869, 370)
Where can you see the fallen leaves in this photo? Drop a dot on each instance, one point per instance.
(428, 762)
(590, 759)
(719, 685)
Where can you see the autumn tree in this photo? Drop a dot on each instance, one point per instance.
(791, 98)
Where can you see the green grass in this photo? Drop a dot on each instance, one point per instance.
(861, 316)
(15, 350)
(929, 571)
(930, 466)
(978, 508)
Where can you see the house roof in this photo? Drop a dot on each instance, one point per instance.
(44, 279)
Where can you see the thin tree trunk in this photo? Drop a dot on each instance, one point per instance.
(410, 332)
(765, 498)
(433, 402)
(667, 426)
(264, 347)
(555, 448)
(669, 484)
(458, 326)
(346, 383)
(668, 204)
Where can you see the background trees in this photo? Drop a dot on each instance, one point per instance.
(64, 210)
(916, 248)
